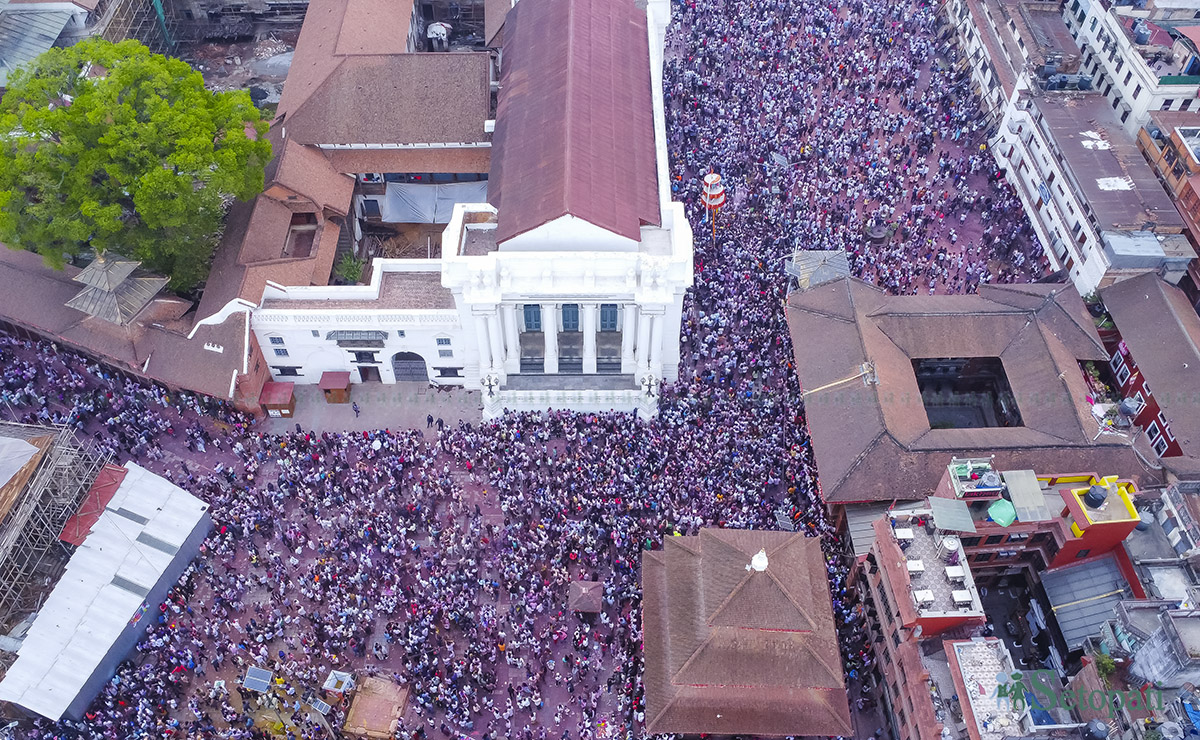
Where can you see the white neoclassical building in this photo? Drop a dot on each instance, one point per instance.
(565, 287)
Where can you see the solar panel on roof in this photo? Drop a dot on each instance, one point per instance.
(1026, 494)
(951, 514)
(257, 679)
(320, 706)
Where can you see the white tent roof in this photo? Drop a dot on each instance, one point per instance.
(14, 453)
(101, 591)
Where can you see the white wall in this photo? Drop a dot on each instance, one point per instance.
(569, 233)
(1024, 151)
(316, 355)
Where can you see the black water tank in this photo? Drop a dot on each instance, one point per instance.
(1095, 496)
(1097, 730)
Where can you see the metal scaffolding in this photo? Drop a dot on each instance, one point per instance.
(152, 22)
(31, 555)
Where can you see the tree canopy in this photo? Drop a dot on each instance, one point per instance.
(109, 147)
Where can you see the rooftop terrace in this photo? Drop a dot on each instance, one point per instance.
(938, 577)
(979, 663)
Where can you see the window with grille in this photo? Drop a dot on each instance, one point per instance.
(443, 342)
(1160, 447)
(351, 339)
(1153, 432)
(445, 353)
(1165, 426)
(281, 352)
(276, 340)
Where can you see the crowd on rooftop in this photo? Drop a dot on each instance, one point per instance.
(442, 558)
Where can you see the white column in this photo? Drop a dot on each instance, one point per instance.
(671, 327)
(656, 348)
(512, 358)
(481, 337)
(628, 327)
(642, 350)
(589, 338)
(550, 331)
(493, 324)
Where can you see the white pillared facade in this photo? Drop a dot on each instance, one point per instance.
(564, 315)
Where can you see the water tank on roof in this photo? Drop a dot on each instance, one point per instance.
(1141, 33)
(1085, 82)
(1129, 406)
(1097, 730)
(1095, 496)
(1047, 70)
(948, 547)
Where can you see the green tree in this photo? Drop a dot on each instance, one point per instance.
(108, 147)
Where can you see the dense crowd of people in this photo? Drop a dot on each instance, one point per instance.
(441, 559)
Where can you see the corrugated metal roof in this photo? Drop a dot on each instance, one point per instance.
(100, 592)
(121, 304)
(25, 34)
(1083, 596)
(951, 514)
(860, 517)
(812, 267)
(106, 272)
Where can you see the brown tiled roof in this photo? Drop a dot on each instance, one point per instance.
(1162, 332)
(574, 125)
(34, 296)
(419, 98)
(730, 650)
(352, 81)
(251, 250)
(180, 362)
(306, 171)
(410, 160)
(335, 28)
(874, 442)
(494, 13)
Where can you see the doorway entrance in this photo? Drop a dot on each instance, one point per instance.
(369, 373)
(409, 366)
